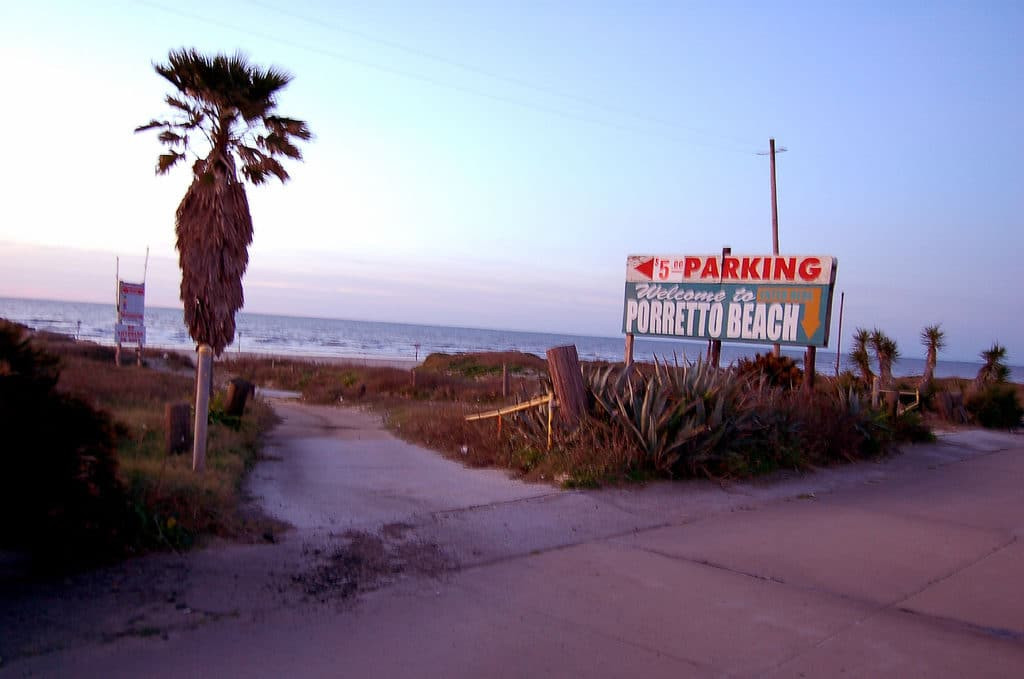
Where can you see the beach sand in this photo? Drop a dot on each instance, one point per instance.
(400, 362)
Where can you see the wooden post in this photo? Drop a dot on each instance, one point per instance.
(117, 355)
(809, 370)
(238, 393)
(413, 371)
(506, 383)
(551, 408)
(176, 423)
(716, 353)
(629, 349)
(205, 368)
(567, 380)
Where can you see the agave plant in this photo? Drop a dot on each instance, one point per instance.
(677, 415)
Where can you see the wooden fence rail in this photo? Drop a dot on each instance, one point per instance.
(547, 399)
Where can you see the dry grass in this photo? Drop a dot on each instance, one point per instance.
(174, 505)
(464, 378)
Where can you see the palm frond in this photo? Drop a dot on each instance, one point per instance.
(152, 124)
(168, 160)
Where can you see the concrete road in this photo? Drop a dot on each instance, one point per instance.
(402, 563)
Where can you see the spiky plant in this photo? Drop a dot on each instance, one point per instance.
(934, 340)
(995, 370)
(224, 107)
(886, 352)
(778, 371)
(860, 356)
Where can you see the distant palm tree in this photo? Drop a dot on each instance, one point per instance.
(860, 356)
(886, 352)
(995, 369)
(934, 340)
(226, 105)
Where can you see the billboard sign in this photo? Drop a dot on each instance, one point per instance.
(129, 333)
(131, 301)
(767, 299)
(131, 313)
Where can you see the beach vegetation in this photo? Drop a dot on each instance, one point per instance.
(61, 496)
(659, 420)
(482, 364)
(886, 353)
(87, 476)
(777, 371)
(996, 406)
(994, 402)
(223, 116)
(994, 369)
(861, 357)
(934, 340)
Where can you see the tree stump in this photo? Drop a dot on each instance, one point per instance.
(238, 393)
(176, 416)
(567, 380)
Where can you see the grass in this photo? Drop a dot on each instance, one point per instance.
(766, 432)
(174, 506)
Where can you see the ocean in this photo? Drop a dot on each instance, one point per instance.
(337, 338)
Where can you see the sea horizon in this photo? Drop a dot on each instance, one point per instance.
(325, 337)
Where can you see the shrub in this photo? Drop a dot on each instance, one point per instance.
(996, 406)
(60, 495)
(691, 419)
(778, 371)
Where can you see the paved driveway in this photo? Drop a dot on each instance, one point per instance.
(402, 563)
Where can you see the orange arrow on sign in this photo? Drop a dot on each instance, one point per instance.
(811, 309)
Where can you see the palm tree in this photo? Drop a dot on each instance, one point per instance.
(227, 106)
(934, 340)
(886, 352)
(860, 356)
(995, 369)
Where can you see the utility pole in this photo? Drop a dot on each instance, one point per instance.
(775, 202)
(839, 340)
(776, 349)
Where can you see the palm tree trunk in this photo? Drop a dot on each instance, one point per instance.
(203, 380)
(929, 369)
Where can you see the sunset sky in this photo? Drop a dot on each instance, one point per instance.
(492, 164)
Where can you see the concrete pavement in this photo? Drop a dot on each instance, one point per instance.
(909, 567)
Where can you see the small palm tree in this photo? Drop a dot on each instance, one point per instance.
(860, 356)
(227, 106)
(995, 369)
(886, 352)
(934, 340)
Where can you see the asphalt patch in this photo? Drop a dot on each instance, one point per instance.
(367, 562)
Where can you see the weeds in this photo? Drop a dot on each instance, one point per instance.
(116, 490)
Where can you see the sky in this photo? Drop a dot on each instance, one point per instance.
(492, 164)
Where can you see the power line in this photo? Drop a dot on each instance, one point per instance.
(437, 83)
(520, 82)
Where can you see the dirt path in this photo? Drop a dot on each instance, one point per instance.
(402, 563)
